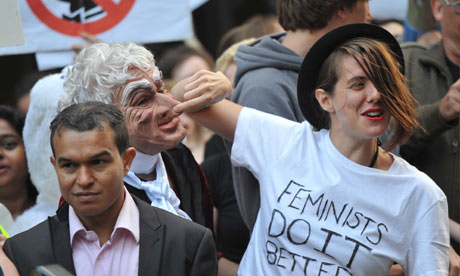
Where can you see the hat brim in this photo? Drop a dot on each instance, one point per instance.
(315, 57)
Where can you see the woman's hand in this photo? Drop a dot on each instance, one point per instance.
(201, 90)
(2, 240)
(449, 107)
(454, 263)
(396, 270)
(5, 263)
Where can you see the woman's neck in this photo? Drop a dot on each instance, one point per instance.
(361, 151)
(197, 144)
(18, 203)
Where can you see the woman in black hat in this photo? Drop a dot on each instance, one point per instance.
(332, 200)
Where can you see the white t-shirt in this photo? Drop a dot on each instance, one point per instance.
(323, 214)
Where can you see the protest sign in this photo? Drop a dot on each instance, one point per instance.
(54, 25)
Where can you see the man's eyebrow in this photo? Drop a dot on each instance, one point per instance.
(98, 155)
(133, 86)
(101, 154)
(64, 160)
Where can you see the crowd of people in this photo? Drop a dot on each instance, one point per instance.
(318, 143)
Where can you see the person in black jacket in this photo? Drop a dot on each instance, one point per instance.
(100, 223)
(164, 172)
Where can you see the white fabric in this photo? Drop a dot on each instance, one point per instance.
(36, 136)
(6, 219)
(28, 219)
(322, 213)
(144, 163)
(44, 98)
(158, 191)
(33, 216)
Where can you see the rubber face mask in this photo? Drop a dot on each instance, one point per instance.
(152, 124)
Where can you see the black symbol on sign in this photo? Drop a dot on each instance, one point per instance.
(82, 10)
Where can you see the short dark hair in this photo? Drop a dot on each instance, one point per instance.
(14, 117)
(89, 115)
(309, 14)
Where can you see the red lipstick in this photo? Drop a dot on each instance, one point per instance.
(373, 114)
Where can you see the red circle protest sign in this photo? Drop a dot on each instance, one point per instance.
(114, 14)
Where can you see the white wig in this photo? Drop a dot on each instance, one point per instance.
(44, 98)
(100, 68)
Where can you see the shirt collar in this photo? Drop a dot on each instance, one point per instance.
(128, 219)
(144, 163)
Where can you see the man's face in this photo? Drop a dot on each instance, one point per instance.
(450, 28)
(152, 124)
(359, 13)
(90, 171)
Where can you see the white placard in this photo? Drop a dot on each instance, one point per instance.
(11, 33)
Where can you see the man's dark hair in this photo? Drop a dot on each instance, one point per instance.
(88, 116)
(14, 117)
(309, 14)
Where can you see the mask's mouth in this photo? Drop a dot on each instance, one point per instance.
(168, 122)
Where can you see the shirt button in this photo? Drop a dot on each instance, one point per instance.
(100, 257)
(88, 237)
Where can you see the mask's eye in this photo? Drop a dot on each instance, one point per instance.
(142, 99)
(142, 102)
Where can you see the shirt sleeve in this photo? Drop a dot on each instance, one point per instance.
(429, 250)
(268, 95)
(261, 139)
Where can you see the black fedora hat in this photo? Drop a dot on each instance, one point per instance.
(315, 57)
